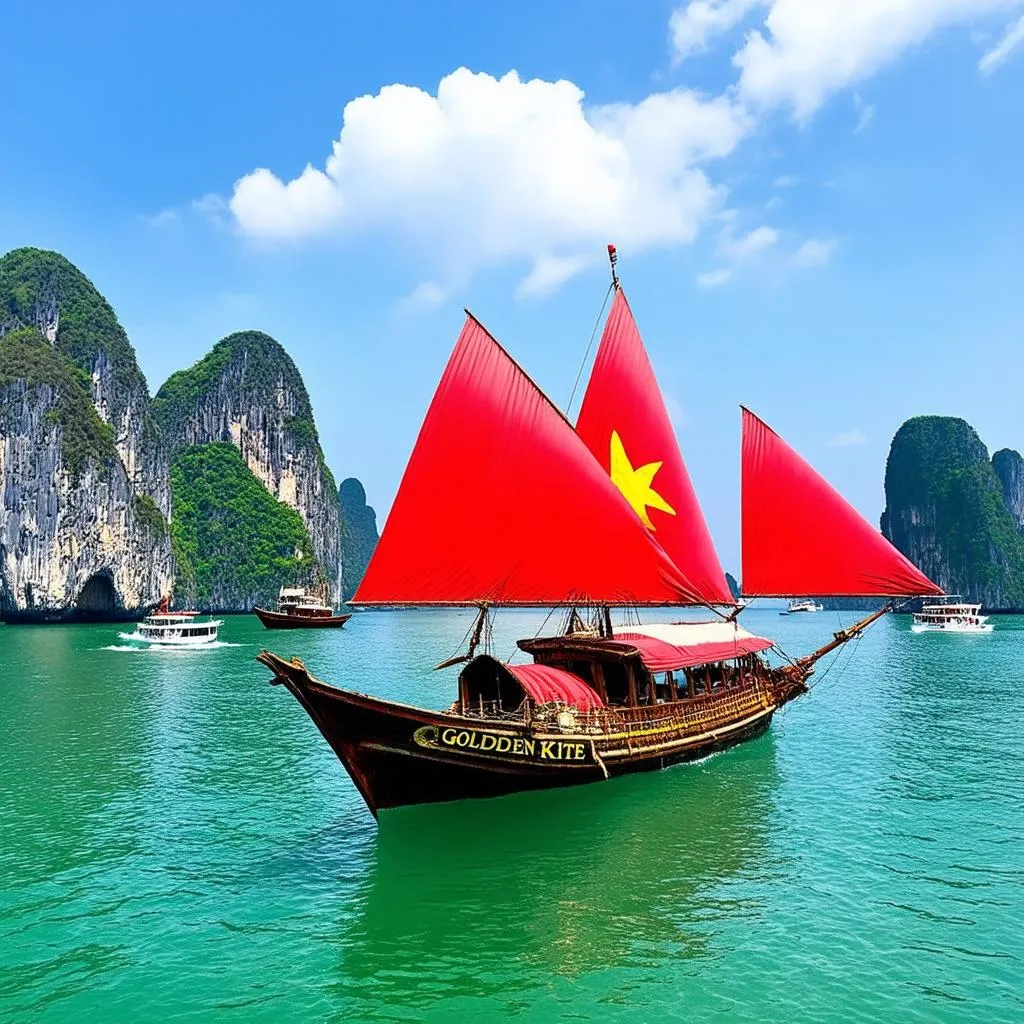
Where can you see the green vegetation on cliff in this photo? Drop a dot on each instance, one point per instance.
(232, 538)
(945, 509)
(38, 286)
(26, 355)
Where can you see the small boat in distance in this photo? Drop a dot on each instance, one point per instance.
(164, 628)
(806, 604)
(948, 615)
(298, 609)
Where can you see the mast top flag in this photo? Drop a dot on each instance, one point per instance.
(624, 423)
(503, 504)
(801, 537)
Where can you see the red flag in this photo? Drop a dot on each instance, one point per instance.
(502, 503)
(802, 538)
(623, 421)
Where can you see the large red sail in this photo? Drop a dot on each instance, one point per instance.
(801, 537)
(502, 503)
(624, 422)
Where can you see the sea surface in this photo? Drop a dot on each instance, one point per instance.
(177, 842)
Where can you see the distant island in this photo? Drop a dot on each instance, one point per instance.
(957, 513)
(216, 488)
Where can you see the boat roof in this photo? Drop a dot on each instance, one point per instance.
(172, 615)
(544, 684)
(663, 647)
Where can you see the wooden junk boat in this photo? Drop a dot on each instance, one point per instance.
(298, 609)
(505, 503)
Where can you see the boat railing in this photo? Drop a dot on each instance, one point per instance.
(698, 713)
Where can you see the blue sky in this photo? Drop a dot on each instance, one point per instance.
(819, 219)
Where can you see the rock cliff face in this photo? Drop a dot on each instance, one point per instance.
(83, 474)
(1009, 467)
(359, 533)
(947, 509)
(247, 392)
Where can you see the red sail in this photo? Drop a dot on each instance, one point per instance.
(502, 503)
(624, 422)
(801, 537)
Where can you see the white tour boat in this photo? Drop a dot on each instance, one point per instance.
(165, 628)
(803, 605)
(948, 615)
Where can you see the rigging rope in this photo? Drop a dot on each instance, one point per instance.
(586, 355)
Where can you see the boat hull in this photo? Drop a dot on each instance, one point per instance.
(929, 627)
(279, 620)
(399, 755)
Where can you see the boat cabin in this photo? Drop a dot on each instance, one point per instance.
(176, 625)
(636, 667)
(298, 601)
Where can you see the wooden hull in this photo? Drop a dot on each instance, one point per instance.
(399, 755)
(278, 620)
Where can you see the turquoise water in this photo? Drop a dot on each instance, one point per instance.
(177, 842)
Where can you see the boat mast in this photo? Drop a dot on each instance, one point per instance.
(474, 640)
(613, 258)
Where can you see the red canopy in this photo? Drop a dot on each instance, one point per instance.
(684, 644)
(544, 683)
(801, 537)
(624, 422)
(502, 503)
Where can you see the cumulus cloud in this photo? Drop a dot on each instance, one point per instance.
(1012, 38)
(491, 169)
(693, 26)
(809, 49)
(815, 252)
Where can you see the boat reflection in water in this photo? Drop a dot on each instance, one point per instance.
(476, 899)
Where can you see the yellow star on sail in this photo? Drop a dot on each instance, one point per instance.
(635, 484)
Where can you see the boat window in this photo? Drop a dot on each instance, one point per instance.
(616, 683)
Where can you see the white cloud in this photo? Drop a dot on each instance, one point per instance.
(815, 252)
(747, 245)
(785, 181)
(865, 114)
(213, 207)
(1012, 38)
(426, 295)
(497, 169)
(693, 26)
(713, 278)
(164, 219)
(549, 273)
(809, 49)
(848, 439)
